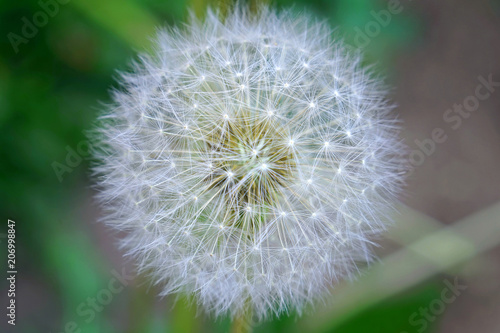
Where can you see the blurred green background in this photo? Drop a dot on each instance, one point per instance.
(52, 81)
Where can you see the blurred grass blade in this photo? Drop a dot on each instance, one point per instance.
(184, 317)
(440, 251)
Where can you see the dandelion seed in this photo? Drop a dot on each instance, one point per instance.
(228, 197)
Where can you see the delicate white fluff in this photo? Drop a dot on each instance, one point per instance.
(249, 162)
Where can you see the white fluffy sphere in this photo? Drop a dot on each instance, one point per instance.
(249, 161)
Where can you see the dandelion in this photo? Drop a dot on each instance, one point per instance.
(250, 162)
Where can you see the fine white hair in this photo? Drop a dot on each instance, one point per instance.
(250, 161)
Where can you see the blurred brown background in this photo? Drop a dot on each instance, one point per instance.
(461, 42)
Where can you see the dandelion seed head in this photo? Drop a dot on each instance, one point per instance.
(208, 179)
